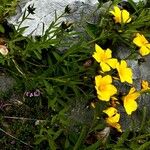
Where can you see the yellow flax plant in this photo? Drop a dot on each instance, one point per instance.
(145, 87)
(104, 58)
(142, 43)
(129, 101)
(120, 15)
(113, 118)
(125, 72)
(104, 87)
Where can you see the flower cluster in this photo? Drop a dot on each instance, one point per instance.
(123, 17)
(104, 82)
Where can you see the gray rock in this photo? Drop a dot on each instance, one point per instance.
(140, 72)
(135, 68)
(145, 69)
(45, 12)
(122, 52)
(6, 83)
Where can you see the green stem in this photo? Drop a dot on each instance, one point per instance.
(56, 79)
(93, 41)
(18, 68)
(140, 137)
(24, 18)
(81, 138)
(144, 118)
(15, 138)
(22, 118)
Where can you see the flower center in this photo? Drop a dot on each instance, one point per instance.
(104, 58)
(102, 87)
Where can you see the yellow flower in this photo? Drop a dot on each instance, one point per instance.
(111, 111)
(129, 102)
(121, 16)
(125, 73)
(3, 50)
(113, 118)
(104, 87)
(141, 42)
(145, 85)
(105, 59)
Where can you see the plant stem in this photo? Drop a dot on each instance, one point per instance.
(81, 138)
(15, 137)
(21, 118)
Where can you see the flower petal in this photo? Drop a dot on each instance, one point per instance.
(125, 16)
(140, 40)
(127, 76)
(125, 73)
(107, 79)
(108, 53)
(110, 111)
(145, 85)
(129, 102)
(112, 62)
(130, 105)
(116, 12)
(109, 91)
(99, 49)
(96, 56)
(105, 67)
(113, 119)
(116, 125)
(98, 79)
(144, 51)
(132, 90)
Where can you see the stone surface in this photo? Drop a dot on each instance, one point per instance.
(145, 69)
(45, 12)
(6, 83)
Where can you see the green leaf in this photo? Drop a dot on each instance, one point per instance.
(81, 138)
(52, 144)
(48, 87)
(52, 103)
(39, 139)
(56, 17)
(38, 54)
(123, 138)
(91, 29)
(94, 146)
(133, 4)
(22, 29)
(2, 30)
(144, 146)
(57, 134)
(56, 55)
(67, 143)
(143, 118)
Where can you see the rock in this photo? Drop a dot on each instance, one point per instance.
(45, 12)
(145, 69)
(6, 83)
